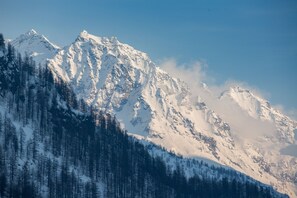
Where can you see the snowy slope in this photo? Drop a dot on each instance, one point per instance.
(35, 45)
(154, 106)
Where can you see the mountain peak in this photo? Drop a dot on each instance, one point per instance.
(238, 89)
(35, 45)
(31, 32)
(85, 36)
(83, 33)
(246, 94)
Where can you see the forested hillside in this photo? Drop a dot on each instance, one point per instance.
(52, 145)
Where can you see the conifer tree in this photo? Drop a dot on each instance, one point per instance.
(2, 43)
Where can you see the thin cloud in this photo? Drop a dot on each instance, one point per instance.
(194, 71)
(241, 123)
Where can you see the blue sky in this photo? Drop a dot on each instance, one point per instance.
(252, 41)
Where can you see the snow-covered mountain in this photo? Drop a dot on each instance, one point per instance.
(36, 46)
(154, 106)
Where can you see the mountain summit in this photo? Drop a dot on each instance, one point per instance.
(153, 106)
(36, 46)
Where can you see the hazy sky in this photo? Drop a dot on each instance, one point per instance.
(253, 41)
